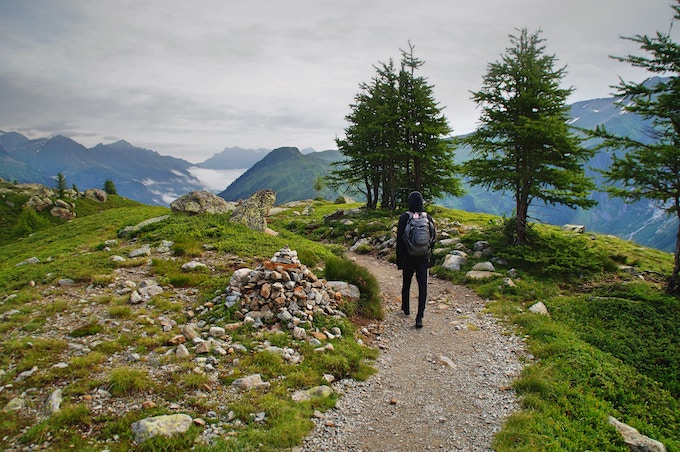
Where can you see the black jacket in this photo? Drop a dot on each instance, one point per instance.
(415, 204)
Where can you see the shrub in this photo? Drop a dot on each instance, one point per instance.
(89, 329)
(28, 222)
(343, 269)
(126, 380)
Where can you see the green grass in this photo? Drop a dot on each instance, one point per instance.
(127, 380)
(342, 269)
(610, 346)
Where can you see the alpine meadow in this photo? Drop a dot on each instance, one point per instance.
(241, 320)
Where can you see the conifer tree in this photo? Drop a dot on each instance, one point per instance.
(110, 187)
(371, 138)
(395, 140)
(650, 171)
(524, 145)
(428, 159)
(61, 185)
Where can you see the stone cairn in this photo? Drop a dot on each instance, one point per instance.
(283, 291)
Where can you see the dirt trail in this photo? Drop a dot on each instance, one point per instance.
(442, 387)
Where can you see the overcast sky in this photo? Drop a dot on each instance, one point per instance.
(189, 78)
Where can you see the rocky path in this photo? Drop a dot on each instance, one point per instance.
(442, 387)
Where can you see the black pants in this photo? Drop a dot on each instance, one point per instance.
(419, 267)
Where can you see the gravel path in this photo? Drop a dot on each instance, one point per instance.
(442, 387)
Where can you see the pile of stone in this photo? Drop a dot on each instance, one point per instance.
(284, 291)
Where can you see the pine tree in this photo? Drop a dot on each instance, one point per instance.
(370, 138)
(651, 171)
(524, 145)
(318, 185)
(428, 158)
(109, 187)
(61, 185)
(395, 140)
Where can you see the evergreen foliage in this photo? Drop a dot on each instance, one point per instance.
(394, 142)
(61, 185)
(524, 145)
(110, 187)
(650, 170)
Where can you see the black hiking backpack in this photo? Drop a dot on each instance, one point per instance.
(417, 234)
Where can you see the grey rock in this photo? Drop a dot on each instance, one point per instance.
(348, 291)
(251, 382)
(253, 211)
(144, 250)
(181, 351)
(577, 228)
(539, 308)
(193, 265)
(636, 441)
(455, 260)
(15, 404)
(53, 403)
(200, 201)
(130, 231)
(166, 425)
(484, 266)
(30, 260)
(63, 213)
(96, 194)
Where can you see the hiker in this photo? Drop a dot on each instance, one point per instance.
(415, 257)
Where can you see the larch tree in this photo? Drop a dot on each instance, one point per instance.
(524, 145)
(428, 164)
(61, 185)
(650, 170)
(370, 137)
(395, 140)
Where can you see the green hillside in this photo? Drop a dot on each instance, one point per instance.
(609, 347)
(288, 172)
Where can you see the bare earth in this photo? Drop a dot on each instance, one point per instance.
(443, 387)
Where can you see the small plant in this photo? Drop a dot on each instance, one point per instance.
(101, 280)
(121, 312)
(187, 246)
(127, 380)
(345, 270)
(28, 222)
(89, 329)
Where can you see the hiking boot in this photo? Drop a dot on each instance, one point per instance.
(419, 323)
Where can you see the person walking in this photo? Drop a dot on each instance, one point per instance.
(411, 257)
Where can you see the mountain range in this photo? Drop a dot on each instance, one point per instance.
(137, 173)
(148, 177)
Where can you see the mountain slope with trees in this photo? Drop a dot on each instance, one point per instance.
(139, 174)
(395, 141)
(288, 172)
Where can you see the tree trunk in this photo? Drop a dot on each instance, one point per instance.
(369, 194)
(672, 287)
(522, 207)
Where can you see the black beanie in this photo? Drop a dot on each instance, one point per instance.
(415, 202)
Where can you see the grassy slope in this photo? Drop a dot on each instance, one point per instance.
(610, 346)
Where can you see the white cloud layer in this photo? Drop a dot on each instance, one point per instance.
(190, 78)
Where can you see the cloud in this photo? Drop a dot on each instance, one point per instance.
(190, 78)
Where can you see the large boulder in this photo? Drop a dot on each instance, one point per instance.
(455, 260)
(63, 213)
(200, 201)
(253, 211)
(165, 425)
(38, 203)
(96, 194)
(636, 441)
